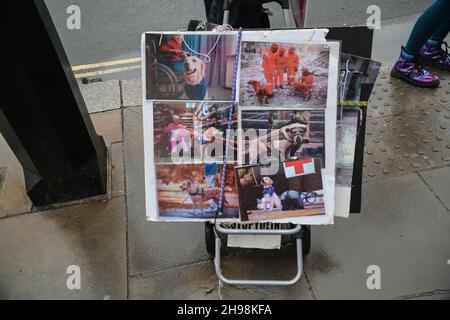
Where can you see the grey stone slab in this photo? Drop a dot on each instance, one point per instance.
(38, 248)
(2, 179)
(101, 96)
(439, 180)
(397, 145)
(394, 97)
(153, 246)
(442, 95)
(132, 92)
(402, 229)
(433, 295)
(199, 281)
(117, 170)
(109, 125)
(13, 198)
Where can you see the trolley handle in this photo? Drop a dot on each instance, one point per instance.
(283, 3)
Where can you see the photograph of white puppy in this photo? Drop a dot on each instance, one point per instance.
(188, 66)
(271, 199)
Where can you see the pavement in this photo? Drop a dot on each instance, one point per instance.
(403, 228)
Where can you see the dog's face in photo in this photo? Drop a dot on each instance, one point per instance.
(266, 182)
(194, 70)
(185, 185)
(296, 133)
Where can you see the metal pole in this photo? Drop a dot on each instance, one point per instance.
(290, 282)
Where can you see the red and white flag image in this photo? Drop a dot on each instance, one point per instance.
(299, 168)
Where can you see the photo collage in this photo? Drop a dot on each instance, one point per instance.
(262, 162)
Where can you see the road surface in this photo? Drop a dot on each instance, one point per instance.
(108, 44)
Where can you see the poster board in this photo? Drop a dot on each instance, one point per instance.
(182, 189)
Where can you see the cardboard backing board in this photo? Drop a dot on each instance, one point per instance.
(356, 41)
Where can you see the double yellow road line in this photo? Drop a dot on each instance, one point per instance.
(108, 67)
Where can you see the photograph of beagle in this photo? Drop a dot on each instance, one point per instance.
(281, 134)
(282, 190)
(284, 75)
(189, 66)
(192, 191)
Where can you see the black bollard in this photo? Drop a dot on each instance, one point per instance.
(43, 116)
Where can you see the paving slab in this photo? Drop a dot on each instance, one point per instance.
(438, 180)
(2, 179)
(432, 295)
(402, 229)
(394, 97)
(38, 248)
(109, 125)
(117, 170)
(132, 92)
(400, 144)
(101, 96)
(199, 281)
(153, 246)
(13, 198)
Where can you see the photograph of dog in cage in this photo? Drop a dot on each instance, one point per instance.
(183, 66)
(192, 191)
(279, 135)
(192, 132)
(280, 190)
(284, 74)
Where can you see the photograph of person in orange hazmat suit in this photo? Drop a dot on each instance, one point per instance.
(284, 74)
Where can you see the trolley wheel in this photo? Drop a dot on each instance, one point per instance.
(210, 239)
(306, 239)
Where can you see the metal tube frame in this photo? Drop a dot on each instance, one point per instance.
(294, 231)
(236, 282)
(284, 5)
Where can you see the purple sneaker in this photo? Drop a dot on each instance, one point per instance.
(410, 70)
(434, 55)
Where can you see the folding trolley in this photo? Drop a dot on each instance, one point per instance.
(216, 233)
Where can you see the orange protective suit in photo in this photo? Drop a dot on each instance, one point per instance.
(306, 83)
(280, 66)
(292, 64)
(269, 67)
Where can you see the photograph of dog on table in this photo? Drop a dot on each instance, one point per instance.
(192, 132)
(283, 74)
(193, 191)
(279, 135)
(280, 190)
(183, 66)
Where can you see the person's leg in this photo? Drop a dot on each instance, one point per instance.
(432, 52)
(426, 26)
(407, 66)
(441, 33)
